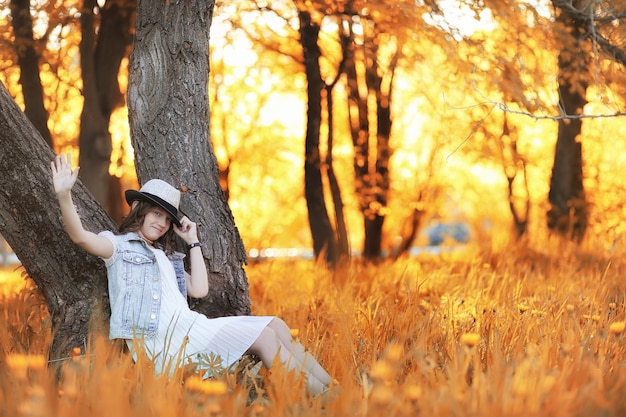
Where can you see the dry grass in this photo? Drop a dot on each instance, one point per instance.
(472, 334)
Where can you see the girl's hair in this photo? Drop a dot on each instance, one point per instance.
(134, 220)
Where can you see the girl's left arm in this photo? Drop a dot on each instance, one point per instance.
(197, 280)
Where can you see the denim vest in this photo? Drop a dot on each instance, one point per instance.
(135, 286)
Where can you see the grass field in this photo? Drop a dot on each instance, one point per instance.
(516, 333)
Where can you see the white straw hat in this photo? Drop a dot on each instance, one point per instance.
(161, 194)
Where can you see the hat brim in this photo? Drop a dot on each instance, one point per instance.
(133, 195)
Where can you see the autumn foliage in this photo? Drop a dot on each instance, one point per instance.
(496, 327)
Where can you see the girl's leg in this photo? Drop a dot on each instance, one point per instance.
(297, 350)
(268, 345)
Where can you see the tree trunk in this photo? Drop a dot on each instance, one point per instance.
(73, 283)
(113, 45)
(28, 60)
(371, 168)
(114, 42)
(567, 214)
(94, 139)
(382, 88)
(322, 232)
(169, 119)
(343, 243)
(359, 130)
(514, 166)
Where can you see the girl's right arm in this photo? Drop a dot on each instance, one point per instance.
(64, 179)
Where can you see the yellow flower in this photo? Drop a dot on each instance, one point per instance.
(208, 387)
(425, 305)
(381, 370)
(413, 392)
(470, 339)
(382, 395)
(395, 352)
(20, 365)
(294, 333)
(522, 307)
(617, 327)
(18, 361)
(548, 382)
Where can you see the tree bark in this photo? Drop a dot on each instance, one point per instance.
(322, 232)
(169, 121)
(567, 214)
(73, 282)
(28, 60)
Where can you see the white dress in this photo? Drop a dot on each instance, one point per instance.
(185, 335)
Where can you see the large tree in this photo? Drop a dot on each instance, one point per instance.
(567, 214)
(73, 283)
(169, 118)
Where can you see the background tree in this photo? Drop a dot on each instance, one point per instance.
(256, 123)
(514, 168)
(377, 54)
(28, 61)
(589, 34)
(369, 103)
(105, 42)
(329, 239)
(584, 36)
(567, 214)
(322, 231)
(371, 38)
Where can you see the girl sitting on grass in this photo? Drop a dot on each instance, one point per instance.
(148, 286)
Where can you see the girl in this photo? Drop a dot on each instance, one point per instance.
(148, 286)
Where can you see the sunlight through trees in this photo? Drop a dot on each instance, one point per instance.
(465, 80)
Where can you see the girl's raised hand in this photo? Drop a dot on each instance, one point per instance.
(63, 177)
(188, 230)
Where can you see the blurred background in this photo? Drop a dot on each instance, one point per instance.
(438, 121)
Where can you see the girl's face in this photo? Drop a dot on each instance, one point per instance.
(155, 224)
